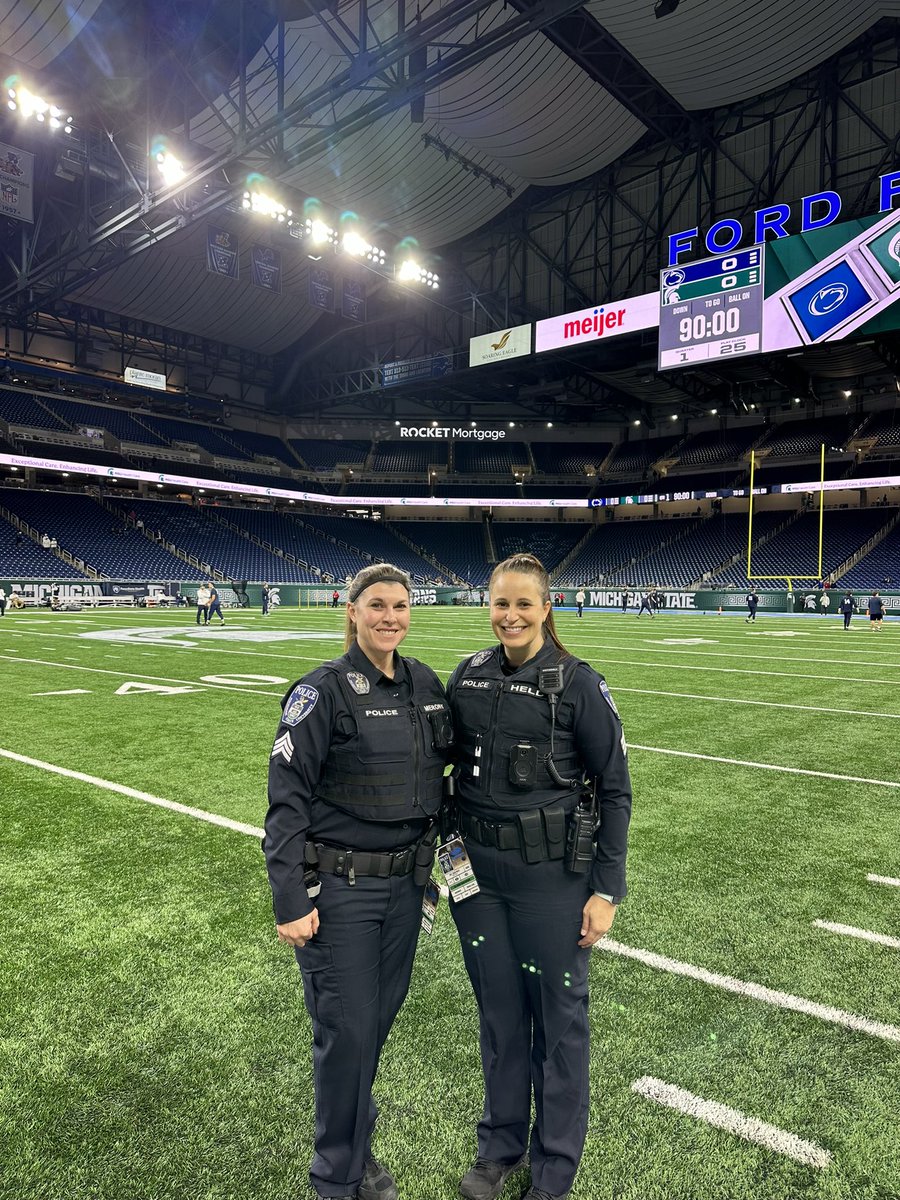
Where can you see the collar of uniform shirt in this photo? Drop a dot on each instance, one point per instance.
(548, 650)
(375, 676)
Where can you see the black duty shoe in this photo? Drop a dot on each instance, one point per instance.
(534, 1193)
(485, 1180)
(377, 1183)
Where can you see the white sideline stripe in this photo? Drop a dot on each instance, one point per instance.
(670, 666)
(741, 762)
(138, 675)
(68, 692)
(755, 991)
(866, 935)
(887, 880)
(855, 712)
(173, 805)
(770, 1137)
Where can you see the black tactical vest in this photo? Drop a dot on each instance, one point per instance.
(392, 768)
(495, 714)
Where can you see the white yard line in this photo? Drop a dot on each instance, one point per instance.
(865, 935)
(657, 666)
(856, 712)
(68, 692)
(742, 762)
(754, 991)
(751, 1129)
(138, 675)
(886, 880)
(199, 813)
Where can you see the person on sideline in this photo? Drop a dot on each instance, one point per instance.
(646, 603)
(541, 760)
(875, 609)
(266, 592)
(355, 783)
(824, 603)
(752, 604)
(203, 604)
(579, 602)
(214, 608)
(848, 607)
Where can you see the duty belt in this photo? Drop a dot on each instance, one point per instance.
(502, 835)
(539, 834)
(381, 865)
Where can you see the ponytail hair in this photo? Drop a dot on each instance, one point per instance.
(528, 564)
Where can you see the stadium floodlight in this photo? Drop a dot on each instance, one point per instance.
(267, 206)
(319, 233)
(848, 392)
(674, 417)
(713, 411)
(170, 167)
(409, 271)
(637, 422)
(31, 106)
(356, 245)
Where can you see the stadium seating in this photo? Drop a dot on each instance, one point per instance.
(98, 416)
(799, 438)
(565, 458)
(20, 408)
(320, 455)
(23, 558)
(408, 458)
(716, 447)
(459, 545)
(880, 564)
(489, 458)
(264, 444)
(218, 442)
(634, 457)
(550, 541)
(373, 538)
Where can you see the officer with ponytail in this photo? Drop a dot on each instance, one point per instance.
(355, 784)
(544, 800)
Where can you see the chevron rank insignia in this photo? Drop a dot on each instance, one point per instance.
(605, 693)
(481, 657)
(300, 704)
(358, 682)
(283, 747)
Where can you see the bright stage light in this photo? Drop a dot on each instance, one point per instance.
(28, 105)
(267, 206)
(170, 167)
(410, 272)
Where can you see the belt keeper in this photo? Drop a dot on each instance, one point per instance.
(351, 873)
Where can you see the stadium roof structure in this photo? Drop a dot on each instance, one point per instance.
(537, 153)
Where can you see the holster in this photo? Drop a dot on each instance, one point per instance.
(311, 867)
(425, 856)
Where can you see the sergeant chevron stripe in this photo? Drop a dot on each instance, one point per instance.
(283, 746)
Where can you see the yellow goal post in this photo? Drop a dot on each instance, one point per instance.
(789, 579)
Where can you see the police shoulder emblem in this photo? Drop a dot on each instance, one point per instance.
(481, 657)
(358, 682)
(605, 693)
(300, 704)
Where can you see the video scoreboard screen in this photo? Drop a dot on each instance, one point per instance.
(816, 287)
(711, 309)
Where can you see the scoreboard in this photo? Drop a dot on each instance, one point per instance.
(711, 309)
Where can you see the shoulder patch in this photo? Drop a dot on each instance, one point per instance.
(358, 682)
(300, 703)
(605, 693)
(283, 747)
(481, 657)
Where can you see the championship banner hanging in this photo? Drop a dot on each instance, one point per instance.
(16, 183)
(222, 249)
(353, 300)
(321, 288)
(265, 268)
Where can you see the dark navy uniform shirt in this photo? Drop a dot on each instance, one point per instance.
(295, 812)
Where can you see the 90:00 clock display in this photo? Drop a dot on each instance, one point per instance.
(722, 321)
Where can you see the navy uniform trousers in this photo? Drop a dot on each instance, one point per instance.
(520, 944)
(356, 973)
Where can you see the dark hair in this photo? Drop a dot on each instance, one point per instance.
(528, 564)
(377, 573)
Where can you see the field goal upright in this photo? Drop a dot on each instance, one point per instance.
(789, 579)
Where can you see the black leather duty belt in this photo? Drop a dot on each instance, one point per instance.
(539, 834)
(502, 835)
(366, 862)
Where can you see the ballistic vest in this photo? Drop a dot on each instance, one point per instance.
(392, 768)
(495, 715)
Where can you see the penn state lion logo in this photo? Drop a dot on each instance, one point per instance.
(358, 682)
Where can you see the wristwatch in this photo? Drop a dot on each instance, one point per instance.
(608, 898)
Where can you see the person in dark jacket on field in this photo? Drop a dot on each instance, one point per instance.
(848, 607)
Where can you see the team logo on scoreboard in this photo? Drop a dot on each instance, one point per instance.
(828, 298)
(894, 248)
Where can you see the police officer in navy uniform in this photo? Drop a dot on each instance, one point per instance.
(533, 722)
(355, 783)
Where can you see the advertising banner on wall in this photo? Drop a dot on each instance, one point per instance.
(499, 346)
(16, 183)
(611, 319)
(151, 379)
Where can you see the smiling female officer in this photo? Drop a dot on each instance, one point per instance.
(532, 723)
(355, 780)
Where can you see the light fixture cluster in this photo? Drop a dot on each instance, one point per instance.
(409, 271)
(267, 206)
(29, 106)
(355, 244)
(319, 232)
(170, 167)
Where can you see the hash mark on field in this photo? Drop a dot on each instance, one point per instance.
(866, 935)
(887, 880)
(733, 1121)
(68, 692)
(108, 785)
(755, 991)
(742, 762)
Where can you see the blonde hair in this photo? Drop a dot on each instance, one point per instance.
(528, 564)
(377, 573)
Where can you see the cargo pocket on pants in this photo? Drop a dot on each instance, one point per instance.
(320, 984)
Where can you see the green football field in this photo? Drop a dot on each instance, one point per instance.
(745, 1014)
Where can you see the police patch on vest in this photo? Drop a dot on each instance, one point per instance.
(301, 702)
(358, 682)
(481, 657)
(382, 712)
(605, 693)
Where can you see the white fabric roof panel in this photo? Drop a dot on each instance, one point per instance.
(34, 31)
(709, 54)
